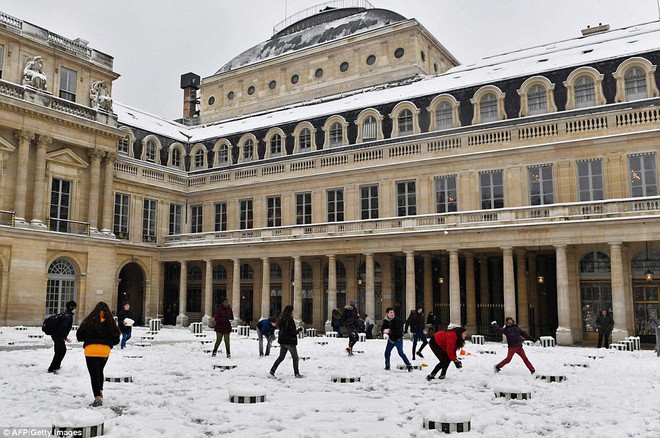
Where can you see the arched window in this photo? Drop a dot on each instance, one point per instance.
(199, 159)
(488, 108)
(275, 145)
(369, 128)
(248, 150)
(223, 155)
(219, 272)
(584, 88)
(336, 135)
(405, 121)
(635, 84)
(150, 153)
(595, 262)
(305, 140)
(537, 100)
(444, 118)
(635, 79)
(443, 110)
(246, 272)
(585, 92)
(176, 158)
(61, 286)
(536, 96)
(369, 125)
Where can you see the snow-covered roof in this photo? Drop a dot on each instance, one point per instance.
(321, 33)
(617, 43)
(150, 122)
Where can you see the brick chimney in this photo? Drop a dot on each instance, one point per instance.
(190, 84)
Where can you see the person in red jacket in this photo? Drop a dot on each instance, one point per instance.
(444, 345)
(223, 317)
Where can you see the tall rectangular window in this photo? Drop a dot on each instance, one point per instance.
(196, 215)
(643, 175)
(445, 194)
(60, 204)
(369, 129)
(305, 140)
(369, 202)
(122, 145)
(406, 198)
(68, 82)
(176, 219)
(120, 227)
(303, 208)
(274, 211)
(492, 189)
(221, 216)
(336, 205)
(2, 59)
(541, 187)
(590, 180)
(149, 220)
(246, 220)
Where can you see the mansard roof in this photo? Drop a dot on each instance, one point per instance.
(327, 26)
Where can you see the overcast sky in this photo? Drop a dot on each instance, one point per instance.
(153, 42)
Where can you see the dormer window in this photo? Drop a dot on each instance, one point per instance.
(275, 145)
(635, 84)
(151, 151)
(176, 158)
(488, 108)
(537, 101)
(336, 134)
(585, 92)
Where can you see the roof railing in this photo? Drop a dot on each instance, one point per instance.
(313, 10)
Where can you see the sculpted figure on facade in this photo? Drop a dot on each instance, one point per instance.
(99, 96)
(33, 73)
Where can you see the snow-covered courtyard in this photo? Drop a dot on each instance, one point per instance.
(176, 392)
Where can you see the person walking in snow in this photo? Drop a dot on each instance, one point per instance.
(349, 318)
(514, 339)
(336, 321)
(61, 335)
(98, 333)
(444, 344)
(393, 328)
(605, 325)
(288, 340)
(368, 326)
(266, 329)
(415, 323)
(223, 316)
(124, 327)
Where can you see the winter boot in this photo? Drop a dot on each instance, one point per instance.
(497, 369)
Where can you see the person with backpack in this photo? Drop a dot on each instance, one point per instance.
(444, 344)
(349, 318)
(99, 333)
(59, 327)
(125, 327)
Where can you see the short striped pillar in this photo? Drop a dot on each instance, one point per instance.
(343, 378)
(196, 327)
(311, 332)
(478, 339)
(636, 342)
(119, 379)
(330, 334)
(447, 427)
(362, 337)
(247, 395)
(576, 364)
(551, 377)
(514, 395)
(155, 324)
(547, 341)
(81, 423)
(243, 330)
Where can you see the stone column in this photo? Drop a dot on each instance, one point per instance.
(619, 308)
(523, 301)
(236, 289)
(38, 217)
(444, 287)
(470, 293)
(484, 291)
(410, 284)
(428, 282)
(95, 156)
(297, 286)
(370, 292)
(564, 334)
(454, 288)
(509, 285)
(20, 191)
(4, 296)
(208, 292)
(265, 287)
(332, 288)
(182, 318)
(108, 198)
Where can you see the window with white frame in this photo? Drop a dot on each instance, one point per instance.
(248, 150)
(61, 286)
(60, 205)
(585, 92)
(303, 208)
(68, 82)
(405, 121)
(369, 202)
(444, 117)
(149, 220)
(199, 159)
(176, 219)
(590, 180)
(223, 154)
(491, 184)
(445, 194)
(541, 187)
(643, 175)
(635, 84)
(120, 227)
(220, 222)
(275, 145)
(196, 218)
(150, 153)
(122, 145)
(488, 108)
(176, 157)
(305, 140)
(246, 218)
(537, 100)
(369, 128)
(406, 198)
(274, 211)
(336, 134)
(335, 205)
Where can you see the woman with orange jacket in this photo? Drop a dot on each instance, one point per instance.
(444, 344)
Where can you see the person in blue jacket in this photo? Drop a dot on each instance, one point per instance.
(266, 329)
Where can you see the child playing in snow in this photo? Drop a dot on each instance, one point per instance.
(514, 339)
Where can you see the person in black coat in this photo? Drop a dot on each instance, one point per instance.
(350, 319)
(514, 339)
(415, 323)
(288, 340)
(393, 328)
(605, 325)
(98, 333)
(65, 322)
(125, 328)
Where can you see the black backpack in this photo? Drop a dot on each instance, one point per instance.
(52, 324)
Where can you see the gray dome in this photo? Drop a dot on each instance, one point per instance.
(329, 25)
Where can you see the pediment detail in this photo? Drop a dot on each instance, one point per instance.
(6, 146)
(66, 157)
